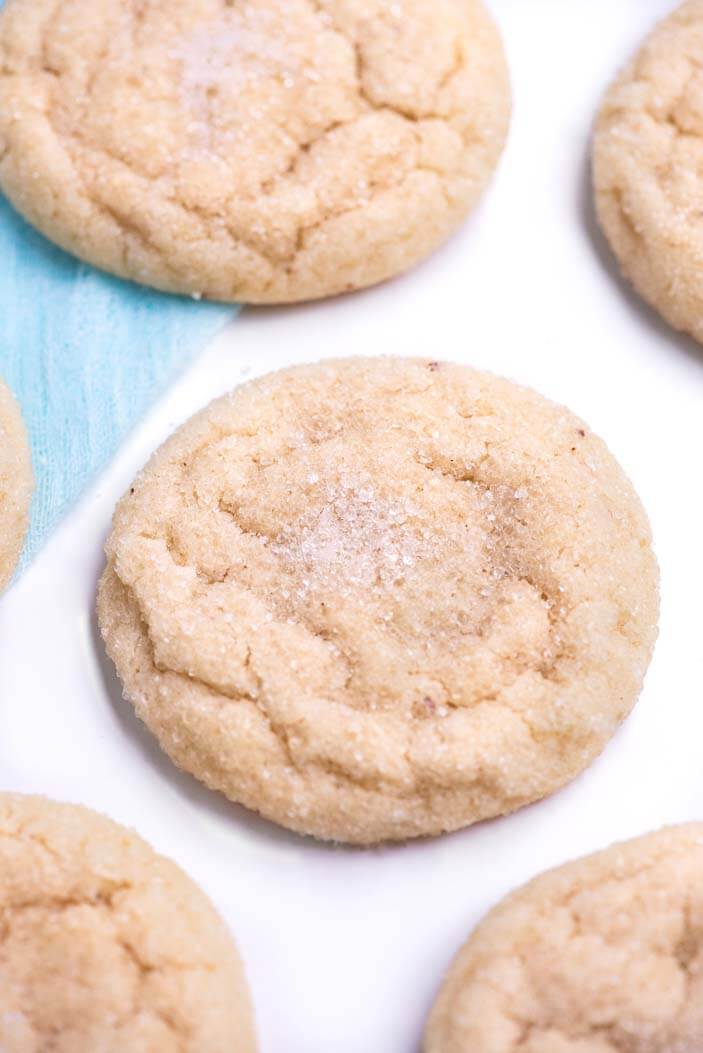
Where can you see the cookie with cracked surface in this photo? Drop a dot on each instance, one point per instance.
(15, 484)
(647, 169)
(105, 945)
(262, 151)
(601, 955)
(374, 599)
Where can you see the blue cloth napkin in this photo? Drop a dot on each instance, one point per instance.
(85, 354)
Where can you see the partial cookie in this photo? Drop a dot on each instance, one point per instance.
(106, 946)
(259, 151)
(15, 484)
(381, 598)
(647, 169)
(600, 956)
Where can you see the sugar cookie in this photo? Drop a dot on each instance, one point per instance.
(106, 946)
(380, 598)
(264, 150)
(15, 484)
(604, 954)
(647, 169)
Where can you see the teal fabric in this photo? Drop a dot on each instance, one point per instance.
(86, 355)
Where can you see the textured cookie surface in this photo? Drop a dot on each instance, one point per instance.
(380, 598)
(254, 150)
(604, 955)
(648, 169)
(105, 946)
(15, 484)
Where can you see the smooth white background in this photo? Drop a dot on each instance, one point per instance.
(345, 949)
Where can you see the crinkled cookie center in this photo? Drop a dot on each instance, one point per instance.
(640, 921)
(67, 970)
(416, 581)
(259, 121)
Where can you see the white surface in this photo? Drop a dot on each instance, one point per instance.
(345, 949)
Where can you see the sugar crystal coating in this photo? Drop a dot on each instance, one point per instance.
(599, 956)
(15, 484)
(264, 150)
(647, 168)
(379, 598)
(105, 945)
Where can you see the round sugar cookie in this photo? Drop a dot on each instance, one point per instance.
(15, 484)
(379, 598)
(648, 173)
(261, 150)
(600, 956)
(106, 946)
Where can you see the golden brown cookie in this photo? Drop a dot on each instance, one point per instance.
(600, 956)
(381, 598)
(261, 150)
(106, 946)
(15, 484)
(647, 169)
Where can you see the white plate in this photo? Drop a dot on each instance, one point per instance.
(345, 949)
